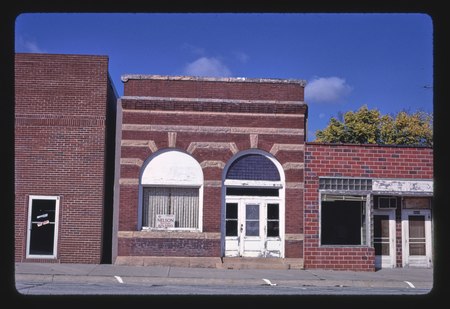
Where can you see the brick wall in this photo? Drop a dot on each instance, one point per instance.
(371, 161)
(60, 147)
(220, 88)
(211, 119)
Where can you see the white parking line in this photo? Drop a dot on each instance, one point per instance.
(267, 281)
(118, 279)
(410, 284)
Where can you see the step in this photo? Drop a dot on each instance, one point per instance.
(260, 263)
(212, 262)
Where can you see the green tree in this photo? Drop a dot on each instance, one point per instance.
(368, 126)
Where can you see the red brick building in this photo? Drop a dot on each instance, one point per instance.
(211, 168)
(367, 206)
(197, 171)
(64, 127)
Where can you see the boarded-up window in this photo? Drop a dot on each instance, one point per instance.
(417, 203)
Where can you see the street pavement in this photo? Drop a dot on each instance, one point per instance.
(414, 278)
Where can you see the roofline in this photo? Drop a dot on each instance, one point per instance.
(367, 145)
(127, 77)
(63, 54)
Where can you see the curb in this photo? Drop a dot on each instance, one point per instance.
(56, 278)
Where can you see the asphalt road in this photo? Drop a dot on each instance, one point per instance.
(111, 288)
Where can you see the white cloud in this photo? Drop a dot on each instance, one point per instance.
(28, 46)
(241, 56)
(205, 66)
(327, 89)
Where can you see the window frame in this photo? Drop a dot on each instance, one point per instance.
(150, 228)
(57, 200)
(366, 210)
(198, 183)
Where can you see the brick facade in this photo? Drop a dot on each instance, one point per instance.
(71, 144)
(212, 120)
(61, 142)
(365, 161)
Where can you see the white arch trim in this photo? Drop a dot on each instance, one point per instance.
(172, 167)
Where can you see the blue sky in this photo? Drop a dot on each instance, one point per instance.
(382, 60)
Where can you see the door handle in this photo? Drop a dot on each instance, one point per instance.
(242, 228)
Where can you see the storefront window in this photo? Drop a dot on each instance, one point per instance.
(343, 220)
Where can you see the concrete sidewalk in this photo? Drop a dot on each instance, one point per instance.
(420, 278)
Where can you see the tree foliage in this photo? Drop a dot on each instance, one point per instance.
(368, 126)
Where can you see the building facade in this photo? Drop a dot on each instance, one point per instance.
(211, 168)
(368, 206)
(64, 113)
(198, 171)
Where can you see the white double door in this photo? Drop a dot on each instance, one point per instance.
(416, 238)
(253, 227)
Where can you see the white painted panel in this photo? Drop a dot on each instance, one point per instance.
(273, 245)
(395, 185)
(232, 247)
(173, 168)
(232, 244)
(252, 244)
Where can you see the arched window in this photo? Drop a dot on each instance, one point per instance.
(172, 187)
(253, 171)
(253, 167)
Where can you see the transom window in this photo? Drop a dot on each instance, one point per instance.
(353, 184)
(253, 167)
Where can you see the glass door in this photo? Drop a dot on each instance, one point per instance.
(253, 227)
(384, 238)
(416, 226)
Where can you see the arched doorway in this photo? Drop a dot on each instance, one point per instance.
(253, 206)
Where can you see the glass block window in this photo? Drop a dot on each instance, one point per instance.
(346, 184)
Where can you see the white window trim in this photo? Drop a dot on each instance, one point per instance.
(200, 210)
(253, 183)
(56, 227)
(163, 183)
(367, 217)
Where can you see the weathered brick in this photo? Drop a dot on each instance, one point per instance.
(62, 134)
